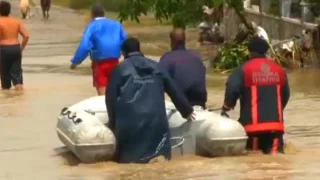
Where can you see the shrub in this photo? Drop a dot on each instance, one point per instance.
(109, 5)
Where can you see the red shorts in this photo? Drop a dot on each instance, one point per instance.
(101, 71)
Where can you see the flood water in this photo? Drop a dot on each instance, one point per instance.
(30, 149)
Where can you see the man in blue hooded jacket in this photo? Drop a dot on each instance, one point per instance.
(136, 107)
(102, 38)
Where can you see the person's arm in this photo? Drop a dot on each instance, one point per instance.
(123, 34)
(285, 93)
(234, 87)
(111, 98)
(25, 36)
(176, 96)
(84, 47)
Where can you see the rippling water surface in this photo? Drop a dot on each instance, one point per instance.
(30, 149)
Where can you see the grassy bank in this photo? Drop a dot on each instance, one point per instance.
(153, 35)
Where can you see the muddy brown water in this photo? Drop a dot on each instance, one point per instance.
(30, 149)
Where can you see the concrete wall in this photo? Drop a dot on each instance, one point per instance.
(277, 28)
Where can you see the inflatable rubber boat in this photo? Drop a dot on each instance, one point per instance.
(81, 127)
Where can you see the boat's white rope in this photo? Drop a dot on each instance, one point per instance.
(181, 139)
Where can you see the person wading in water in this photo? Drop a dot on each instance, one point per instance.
(263, 89)
(136, 106)
(186, 68)
(10, 48)
(102, 39)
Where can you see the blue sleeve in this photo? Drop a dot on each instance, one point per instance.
(123, 34)
(112, 92)
(234, 88)
(176, 96)
(84, 47)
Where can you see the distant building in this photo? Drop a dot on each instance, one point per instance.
(284, 8)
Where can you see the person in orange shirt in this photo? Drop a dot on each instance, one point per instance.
(10, 48)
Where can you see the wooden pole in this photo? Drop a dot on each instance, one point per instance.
(316, 42)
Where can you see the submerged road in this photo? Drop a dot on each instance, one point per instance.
(56, 36)
(30, 149)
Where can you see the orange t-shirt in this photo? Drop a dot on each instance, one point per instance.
(10, 29)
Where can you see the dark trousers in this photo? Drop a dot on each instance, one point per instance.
(196, 97)
(267, 142)
(10, 68)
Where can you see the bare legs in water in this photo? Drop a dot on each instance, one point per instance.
(101, 91)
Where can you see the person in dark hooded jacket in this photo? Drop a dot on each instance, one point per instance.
(136, 107)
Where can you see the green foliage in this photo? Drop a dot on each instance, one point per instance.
(275, 8)
(188, 12)
(232, 57)
(180, 12)
(110, 5)
(312, 1)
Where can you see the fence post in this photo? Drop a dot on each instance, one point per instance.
(316, 42)
(247, 4)
(265, 6)
(261, 13)
(285, 8)
(306, 13)
(281, 21)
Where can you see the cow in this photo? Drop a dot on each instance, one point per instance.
(45, 7)
(25, 9)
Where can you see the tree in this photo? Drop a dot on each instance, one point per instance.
(180, 12)
(312, 1)
(187, 12)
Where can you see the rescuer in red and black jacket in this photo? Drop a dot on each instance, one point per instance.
(263, 89)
